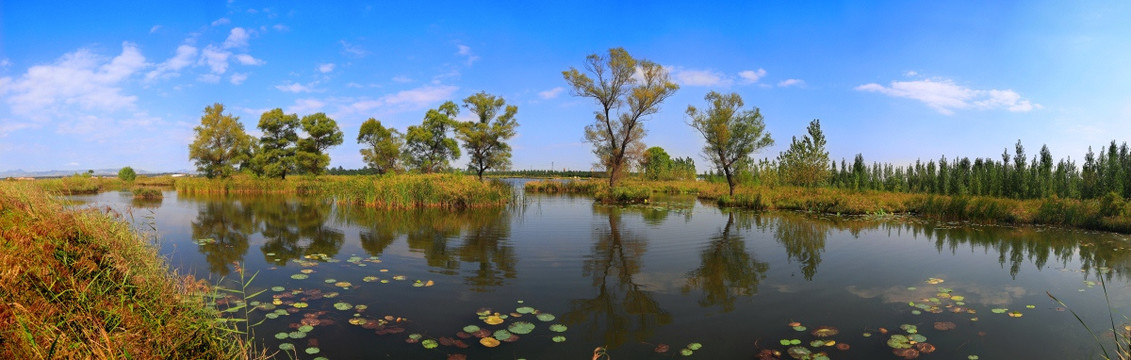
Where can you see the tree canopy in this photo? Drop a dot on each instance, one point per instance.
(485, 138)
(731, 134)
(382, 149)
(628, 91)
(428, 146)
(127, 174)
(220, 143)
(276, 155)
(322, 133)
(806, 162)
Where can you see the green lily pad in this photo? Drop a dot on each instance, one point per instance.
(329, 281)
(558, 338)
(795, 341)
(370, 279)
(277, 288)
(312, 350)
(502, 334)
(524, 310)
(817, 343)
(415, 336)
(798, 352)
(297, 334)
(899, 342)
(282, 335)
(299, 276)
(343, 306)
(998, 310)
(686, 352)
(784, 342)
(429, 344)
(271, 316)
(694, 346)
(800, 328)
(470, 329)
(521, 327)
(286, 346)
(546, 317)
(305, 328)
(917, 338)
(558, 328)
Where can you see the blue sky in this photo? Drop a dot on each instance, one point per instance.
(92, 85)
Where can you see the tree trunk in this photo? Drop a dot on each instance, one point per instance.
(730, 179)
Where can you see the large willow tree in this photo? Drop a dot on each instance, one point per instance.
(627, 90)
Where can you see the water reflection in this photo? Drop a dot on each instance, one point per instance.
(295, 227)
(228, 224)
(484, 234)
(726, 269)
(621, 310)
(803, 239)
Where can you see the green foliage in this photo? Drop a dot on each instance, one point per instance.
(625, 100)
(485, 139)
(428, 147)
(323, 133)
(658, 165)
(220, 143)
(806, 162)
(382, 151)
(277, 151)
(731, 135)
(127, 174)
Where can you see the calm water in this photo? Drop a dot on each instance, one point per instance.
(631, 278)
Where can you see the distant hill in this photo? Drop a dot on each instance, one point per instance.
(97, 172)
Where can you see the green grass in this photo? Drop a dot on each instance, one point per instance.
(389, 192)
(147, 194)
(82, 284)
(79, 184)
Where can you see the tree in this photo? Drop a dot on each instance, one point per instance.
(627, 90)
(220, 143)
(323, 133)
(127, 174)
(732, 135)
(485, 139)
(657, 164)
(383, 146)
(806, 162)
(428, 147)
(277, 153)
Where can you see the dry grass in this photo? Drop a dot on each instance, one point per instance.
(81, 284)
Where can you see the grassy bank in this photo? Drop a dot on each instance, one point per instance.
(392, 192)
(80, 284)
(1109, 213)
(79, 184)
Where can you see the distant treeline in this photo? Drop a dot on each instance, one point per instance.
(550, 173)
(1015, 176)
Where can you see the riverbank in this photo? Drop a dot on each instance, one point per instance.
(386, 192)
(81, 283)
(1109, 213)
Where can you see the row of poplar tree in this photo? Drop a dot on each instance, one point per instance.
(290, 145)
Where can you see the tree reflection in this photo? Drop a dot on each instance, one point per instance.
(727, 271)
(621, 309)
(803, 239)
(229, 224)
(296, 227)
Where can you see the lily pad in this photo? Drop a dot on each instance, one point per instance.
(502, 334)
(686, 352)
(521, 327)
(694, 346)
(558, 338)
(998, 310)
(429, 344)
(297, 334)
(312, 350)
(299, 276)
(944, 325)
(546, 317)
(899, 342)
(825, 331)
(305, 328)
(286, 346)
(493, 320)
(798, 352)
(800, 328)
(343, 306)
(470, 329)
(524, 310)
(282, 335)
(370, 279)
(277, 288)
(489, 342)
(558, 328)
(1014, 314)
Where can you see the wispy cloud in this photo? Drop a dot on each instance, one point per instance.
(325, 68)
(237, 78)
(221, 21)
(404, 100)
(694, 77)
(945, 96)
(154, 28)
(465, 51)
(215, 58)
(351, 49)
(402, 79)
(80, 78)
(751, 76)
(208, 78)
(237, 38)
(305, 106)
(552, 93)
(246, 59)
(791, 82)
(169, 68)
(293, 88)
(280, 27)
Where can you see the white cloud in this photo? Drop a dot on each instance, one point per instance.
(465, 51)
(791, 82)
(402, 79)
(79, 78)
(305, 106)
(5, 63)
(280, 27)
(221, 21)
(945, 96)
(184, 57)
(237, 78)
(208, 78)
(246, 59)
(325, 68)
(421, 96)
(693, 77)
(216, 59)
(293, 88)
(352, 49)
(154, 28)
(552, 93)
(237, 38)
(751, 76)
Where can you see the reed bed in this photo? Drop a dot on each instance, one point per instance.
(388, 192)
(82, 284)
(79, 185)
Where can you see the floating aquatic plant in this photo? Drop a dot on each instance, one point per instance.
(558, 338)
(493, 320)
(312, 350)
(299, 276)
(546, 317)
(944, 325)
(286, 346)
(343, 306)
(521, 327)
(489, 342)
(558, 328)
(470, 328)
(524, 310)
(305, 328)
(825, 331)
(502, 334)
(429, 344)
